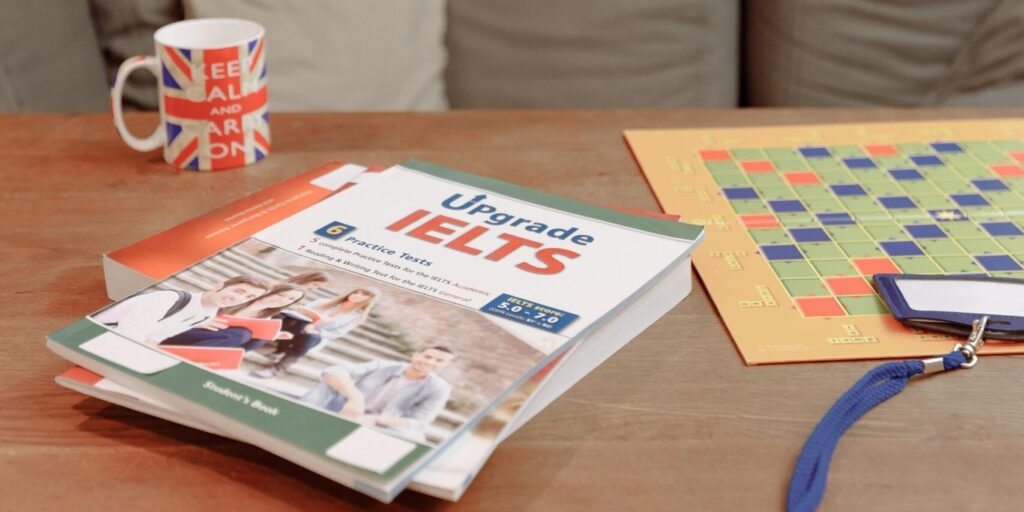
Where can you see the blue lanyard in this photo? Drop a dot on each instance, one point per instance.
(807, 484)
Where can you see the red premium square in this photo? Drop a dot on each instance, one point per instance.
(802, 178)
(820, 306)
(848, 286)
(1008, 170)
(714, 155)
(881, 150)
(872, 266)
(1017, 155)
(757, 166)
(760, 221)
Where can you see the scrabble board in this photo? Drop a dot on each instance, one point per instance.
(799, 219)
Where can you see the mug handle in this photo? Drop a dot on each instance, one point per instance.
(155, 139)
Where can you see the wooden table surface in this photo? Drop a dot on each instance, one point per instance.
(673, 421)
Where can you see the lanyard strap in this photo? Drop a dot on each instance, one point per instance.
(807, 484)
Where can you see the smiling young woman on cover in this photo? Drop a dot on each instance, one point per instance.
(216, 332)
(328, 319)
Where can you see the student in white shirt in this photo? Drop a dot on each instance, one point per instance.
(152, 317)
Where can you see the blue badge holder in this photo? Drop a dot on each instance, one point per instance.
(1000, 327)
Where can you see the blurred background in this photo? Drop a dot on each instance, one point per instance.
(430, 55)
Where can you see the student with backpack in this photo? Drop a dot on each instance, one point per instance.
(151, 317)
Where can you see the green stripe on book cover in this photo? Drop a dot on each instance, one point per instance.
(304, 427)
(649, 224)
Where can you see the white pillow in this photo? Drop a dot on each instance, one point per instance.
(346, 55)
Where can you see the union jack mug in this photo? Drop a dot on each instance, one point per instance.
(213, 94)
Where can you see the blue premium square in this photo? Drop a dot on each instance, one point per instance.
(947, 215)
(925, 231)
(834, 219)
(809, 235)
(906, 174)
(998, 263)
(815, 152)
(848, 190)
(895, 202)
(781, 252)
(859, 163)
(926, 160)
(787, 206)
(969, 199)
(1002, 228)
(947, 147)
(990, 185)
(902, 248)
(740, 193)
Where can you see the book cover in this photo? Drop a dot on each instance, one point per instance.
(472, 284)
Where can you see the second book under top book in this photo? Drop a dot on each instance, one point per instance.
(467, 287)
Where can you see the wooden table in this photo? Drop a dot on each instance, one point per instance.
(674, 421)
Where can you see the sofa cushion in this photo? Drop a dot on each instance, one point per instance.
(880, 52)
(125, 29)
(592, 53)
(49, 60)
(344, 55)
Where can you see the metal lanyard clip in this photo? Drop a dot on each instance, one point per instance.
(969, 348)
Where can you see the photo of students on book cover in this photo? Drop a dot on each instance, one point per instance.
(382, 356)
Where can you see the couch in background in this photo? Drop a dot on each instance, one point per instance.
(340, 55)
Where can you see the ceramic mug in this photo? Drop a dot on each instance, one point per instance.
(213, 94)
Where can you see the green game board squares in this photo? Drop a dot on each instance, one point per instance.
(865, 305)
(954, 186)
(873, 218)
(847, 151)
(914, 148)
(892, 161)
(809, 191)
(770, 236)
(916, 265)
(797, 220)
(956, 264)
(821, 250)
(887, 233)
(730, 180)
(721, 166)
(917, 188)
(833, 268)
(860, 203)
(792, 269)
(861, 249)
(940, 247)
(962, 230)
(978, 246)
(984, 213)
(780, 192)
(994, 158)
(824, 164)
(910, 216)
(781, 154)
(1005, 199)
(980, 147)
(805, 287)
(930, 202)
(847, 233)
(883, 188)
(747, 154)
(1012, 244)
(871, 176)
(790, 165)
(746, 206)
(766, 179)
(974, 171)
(824, 205)
(1009, 145)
